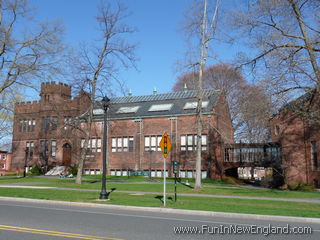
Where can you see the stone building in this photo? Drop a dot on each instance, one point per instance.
(298, 132)
(135, 126)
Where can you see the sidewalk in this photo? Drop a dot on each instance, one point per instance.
(171, 194)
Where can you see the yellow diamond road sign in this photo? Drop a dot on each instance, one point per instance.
(165, 144)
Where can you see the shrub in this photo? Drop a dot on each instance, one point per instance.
(305, 187)
(300, 187)
(73, 170)
(36, 170)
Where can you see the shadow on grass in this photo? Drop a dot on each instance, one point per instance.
(184, 184)
(160, 197)
(112, 190)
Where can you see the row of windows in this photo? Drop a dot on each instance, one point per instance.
(122, 144)
(44, 148)
(47, 124)
(27, 125)
(152, 143)
(189, 143)
(119, 144)
(157, 173)
(94, 144)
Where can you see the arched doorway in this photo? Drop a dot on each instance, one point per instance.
(66, 155)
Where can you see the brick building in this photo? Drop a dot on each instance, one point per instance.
(135, 125)
(299, 135)
(5, 162)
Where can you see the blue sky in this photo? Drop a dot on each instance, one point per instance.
(159, 38)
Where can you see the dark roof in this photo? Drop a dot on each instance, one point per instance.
(144, 103)
(299, 103)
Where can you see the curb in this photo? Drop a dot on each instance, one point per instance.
(170, 210)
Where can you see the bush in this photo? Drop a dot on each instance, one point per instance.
(73, 170)
(300, 187)
(36, 170)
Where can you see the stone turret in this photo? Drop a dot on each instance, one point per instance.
(51, 91)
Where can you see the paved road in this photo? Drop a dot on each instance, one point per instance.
(30, 220)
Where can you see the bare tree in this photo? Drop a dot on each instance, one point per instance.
(285, 39)
(96, 68)
(200, 26)
(25, 55)
(249, 105)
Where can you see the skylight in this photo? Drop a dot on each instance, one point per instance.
(128, 109)
(193, 105)
(160, 107)
(98, 111)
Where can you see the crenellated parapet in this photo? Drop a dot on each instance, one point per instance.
(53, 90)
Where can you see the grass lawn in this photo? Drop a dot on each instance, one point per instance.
(194, 203)
(142, 184)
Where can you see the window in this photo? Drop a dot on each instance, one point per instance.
(29, 125)
(122, 144)
(53, 148)
(29, 149)
(152, 143)
(24, 125)
(189, 142)
(45, 125)
(193, 105)
(128, 109)
(119, 142)
(160, 107)
(147, 143)
(54, 123)
(33, 125)
(314, 155)
(99, 145)
(203, 142)
(131, 144)
(114, 144)
(183, 143)
(94, 145)
(44, 149)
(125, 144)
(158, 143)
(49, 123)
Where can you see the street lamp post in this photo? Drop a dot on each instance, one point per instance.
(25, 161)
(103, 193)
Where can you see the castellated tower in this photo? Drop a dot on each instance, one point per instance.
(52, 92)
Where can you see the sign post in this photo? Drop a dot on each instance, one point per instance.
(165, 145)
(175, 171)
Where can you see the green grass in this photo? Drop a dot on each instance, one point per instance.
(195, 203)
(143, 184)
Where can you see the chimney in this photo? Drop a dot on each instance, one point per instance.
(129, 93)
(154, 91)
(185, 88)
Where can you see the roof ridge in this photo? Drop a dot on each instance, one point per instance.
(162, 96)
